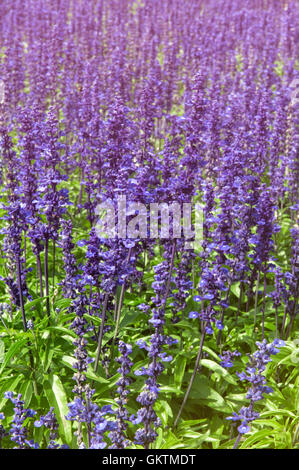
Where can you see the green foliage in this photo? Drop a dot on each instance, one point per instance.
(39, 363)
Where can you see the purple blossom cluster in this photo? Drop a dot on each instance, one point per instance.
(257, 364)
(161, 102)
(96, 419)
(117, 436)
(50, 422)
(147, 398)
(18, 431)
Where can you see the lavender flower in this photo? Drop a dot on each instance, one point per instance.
(18, 431)
(122, 416)
(227, 358)
(257, 364)
(50, 422)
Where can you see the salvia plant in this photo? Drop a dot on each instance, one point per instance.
(149, 224)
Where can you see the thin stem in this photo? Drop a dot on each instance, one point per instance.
(256, 296)
(119, 307)
(10, 311)
(219, 336)
(181, 332)
(81, 190)
(220, 331)
(53, 269)
(264, 303)
(115, 307)
(249, 293)
(21, 294)
(199, 354)
(170, 273)
(40, 275)
(25, 323)
(239, 301)
(90, 297)
(289, 327)
(4, 324)
(121, 298)
(284, 320)
(202, 310)
(88, 422)
(101, 332)
(237, 442)
(25, 248)
(36, 284)
(292, 313)
(47, 276)
(79, 434)
(193, 274)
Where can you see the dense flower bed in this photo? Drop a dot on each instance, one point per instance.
(148, 339)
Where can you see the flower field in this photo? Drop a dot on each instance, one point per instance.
(149, 238)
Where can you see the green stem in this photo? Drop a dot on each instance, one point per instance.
(21, 294)
(5, 325)
(25, 323)
(237, 441)
(256, 296)
(81, 191)
(47, 276)
(239, 301)
(284, 320)
(276, 323)
(115, 307)
(292, 313)
(100, 335)
(264, 303)
(40, 275)
(53, 270)
(119, 307)
(219, 336)
(121, 298)
(170, 273)
(199, 354)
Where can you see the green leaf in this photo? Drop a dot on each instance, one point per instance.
(27, 392)
(179, 370)
(2, 351)
(129, 317)
(57, 398)
(36, 303)
(235, 288)
(171, 442)
(205, 394)
(278, 413)
(63, 303)
(61, 329)
(255, 437)
(218, 370)
(169, 389)
(217, 427)
(48, 355)
(164, 411)
(14, 348)
(9, 385)
(69, 362)
(210, 352)
(194, 423)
